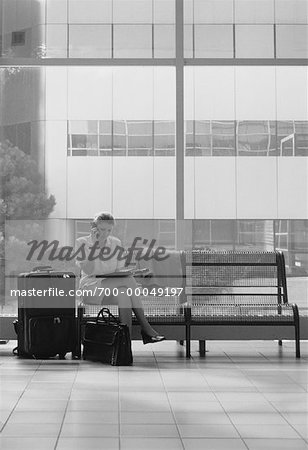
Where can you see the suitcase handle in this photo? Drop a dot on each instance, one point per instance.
(110, 317)
(42, 269)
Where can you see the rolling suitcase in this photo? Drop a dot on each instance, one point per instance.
(46, 324)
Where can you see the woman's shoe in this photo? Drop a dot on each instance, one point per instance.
(147, 339)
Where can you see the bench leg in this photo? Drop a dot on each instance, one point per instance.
(78, 332)
(202, 348)
(188, 341)
(297, 341)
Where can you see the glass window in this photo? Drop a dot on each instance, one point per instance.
(291, 11)
(105, 137)
(285, 138)
(56, 11)
(301, 138)
(254, 41)
(292, 41)
(189, 138)
(188, 41)
(56, 41)
(83, 138)
(164, 138)
(164, 41)
(90, 41)
(203, 138)
(292, 138)
(132, 11)
(210, 138)
(89, 11)
(223, 138)
(256, 138)
(120, 144)
(164, 11)
(213, 11)
(213, 41)
(213, 234)
(18, 135)
(255, 233)
(254, 11)
(140, 138)
(132, 41)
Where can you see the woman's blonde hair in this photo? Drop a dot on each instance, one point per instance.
(102, 216)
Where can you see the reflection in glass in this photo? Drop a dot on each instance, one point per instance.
(213, 41)
(291, 237)
(292, 41)
(254, 11)
(292, 138)
(164, 41)
(210, 138)
(254, 41)
(213, 234)
(256, 234)
(132, 41)
(105, 137)
(164, 138)
(256, 138)
(19, 135)
(90, 41)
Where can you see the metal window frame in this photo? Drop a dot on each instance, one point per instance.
(179, 62)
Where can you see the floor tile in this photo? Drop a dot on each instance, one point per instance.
(196, 418)
(212, 407)
(89, 430)
(94, 417)
(302, 430)
(151, 444)
(88, 443)
(94, 405)
(25, 443)
(40, 405)
(296, 418)
(208, 431)
(149, 430)
(191, 397)
(257, 418)
(147, 402)
(276, 444)
(267, 431)
(214, 444)
(38, 417)
(127, 417)
(250, 407)
(31, 430)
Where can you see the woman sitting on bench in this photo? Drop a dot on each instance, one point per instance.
(101, 239)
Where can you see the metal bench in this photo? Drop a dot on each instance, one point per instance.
(222, 289)
(238, 289)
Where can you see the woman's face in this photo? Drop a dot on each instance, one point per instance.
(102, 231)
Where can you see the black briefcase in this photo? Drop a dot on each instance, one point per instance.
(107, 340)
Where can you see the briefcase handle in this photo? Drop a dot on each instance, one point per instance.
(110, 317)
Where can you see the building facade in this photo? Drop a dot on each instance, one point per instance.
(165, 112)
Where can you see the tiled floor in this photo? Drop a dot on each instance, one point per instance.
(240, 396)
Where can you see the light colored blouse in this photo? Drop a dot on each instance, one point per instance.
(100, 267)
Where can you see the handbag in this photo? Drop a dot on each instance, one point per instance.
(107, 340)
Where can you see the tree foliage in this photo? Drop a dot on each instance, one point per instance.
(22, 197)
(22, 194)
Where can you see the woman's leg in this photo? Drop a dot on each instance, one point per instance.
(137, 307)
(127, 303)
